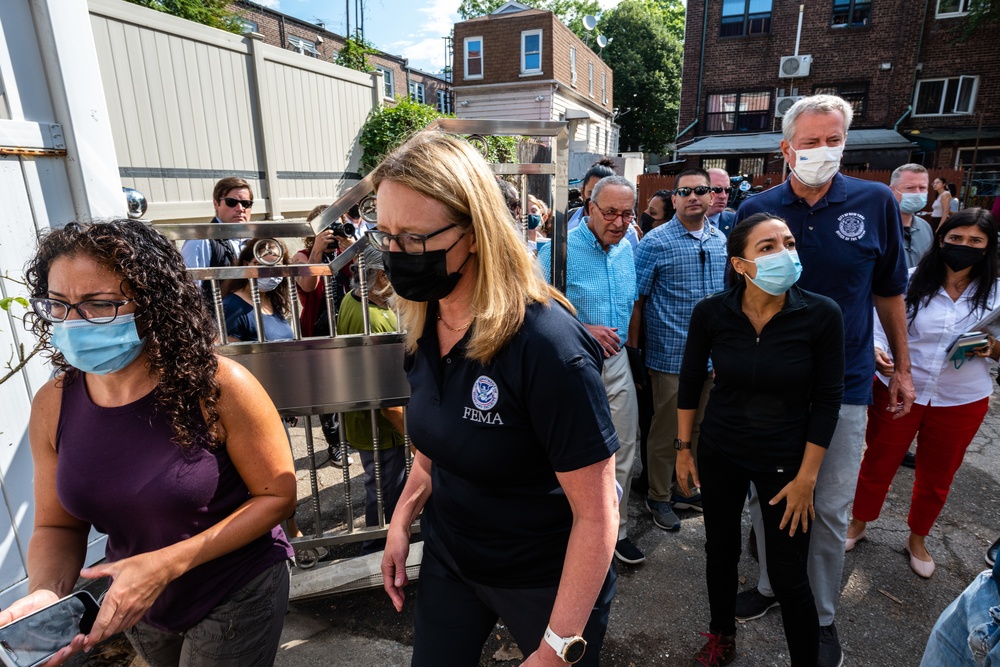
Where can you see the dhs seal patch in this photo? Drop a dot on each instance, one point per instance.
(851, 227)
(485, 393)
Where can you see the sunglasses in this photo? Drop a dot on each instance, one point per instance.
(701, 191)
(718, 190)
(231, 202)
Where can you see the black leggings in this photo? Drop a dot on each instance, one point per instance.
(724, 486)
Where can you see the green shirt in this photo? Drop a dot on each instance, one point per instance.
(358, 425)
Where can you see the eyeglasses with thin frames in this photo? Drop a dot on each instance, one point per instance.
(231, 202)
(610, 216)
(411, 244)
(98, 311)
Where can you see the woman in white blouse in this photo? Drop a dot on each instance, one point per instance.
(952, 287)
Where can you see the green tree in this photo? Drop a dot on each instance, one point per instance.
(213, 13)
(354, 55)
(570, 12)
(981, 13)
(644, 51)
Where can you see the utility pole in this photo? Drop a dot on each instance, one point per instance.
(347, 8)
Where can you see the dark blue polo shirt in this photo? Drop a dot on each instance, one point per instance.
(850, 245)
(497, 434)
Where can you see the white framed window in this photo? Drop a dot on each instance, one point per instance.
(604, 87)
(590, 78)
(417, 92)
(246, 25)
(388, 89)
(945, 97)
(950, 8)
(572, 66)
(303, 46)
(473, 57)
(444, 101)
(531, 52)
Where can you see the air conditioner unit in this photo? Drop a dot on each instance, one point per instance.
(784, 104)
(794, 67)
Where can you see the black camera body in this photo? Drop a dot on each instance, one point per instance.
(344, 230)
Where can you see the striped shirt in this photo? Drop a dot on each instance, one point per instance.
(675, 270)
(600, 285)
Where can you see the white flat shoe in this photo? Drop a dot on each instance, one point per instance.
(924, 569)
(851, 541)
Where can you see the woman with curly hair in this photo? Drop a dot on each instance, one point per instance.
(176, 454)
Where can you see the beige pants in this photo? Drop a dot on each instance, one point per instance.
(617, 378)
(661, 453)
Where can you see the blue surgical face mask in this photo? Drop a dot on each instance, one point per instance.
(911, 202)
(776, 272)
(98, 348)
(268, 284)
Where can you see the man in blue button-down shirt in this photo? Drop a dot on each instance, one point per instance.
(677, 264)
(600, 283)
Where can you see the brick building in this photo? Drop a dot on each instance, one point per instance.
(315, 41)
(523, 63)
(916, 94)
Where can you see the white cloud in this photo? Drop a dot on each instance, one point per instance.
(270, 4)
(442, 15)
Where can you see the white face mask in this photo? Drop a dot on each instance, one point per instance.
(816, 166)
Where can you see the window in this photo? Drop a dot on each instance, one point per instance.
(572, 66)
(590, 76)
(745, 17)
(388, 90)
(713, 163)
(531, 52)
(751, 165)
(855, 94)
(945, 97)
(473, 57)
(739, 112)
(444, 101)
(303, 46)
(851, 13)
(246, 25)
(949, 8)
(604, 87)
(417, 92)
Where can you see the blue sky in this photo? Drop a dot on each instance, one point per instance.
(411, 28)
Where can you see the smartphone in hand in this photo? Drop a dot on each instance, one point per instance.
(34, 638)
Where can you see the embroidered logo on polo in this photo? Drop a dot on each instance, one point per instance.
(851, 227)
(485, 395)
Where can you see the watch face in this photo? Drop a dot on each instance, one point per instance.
(575, 650)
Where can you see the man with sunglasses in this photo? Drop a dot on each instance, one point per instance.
(677, 264)
(717, 213)
(600, 283)
(233, 199)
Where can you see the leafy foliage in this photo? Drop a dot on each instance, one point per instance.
(645, 52)
(213, 13)
(354, 54)
(570, 12)
(981, 13)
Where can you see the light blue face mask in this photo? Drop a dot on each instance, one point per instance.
(777, 272)
(98, 348)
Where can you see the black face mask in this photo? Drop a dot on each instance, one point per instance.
(959, 257)
(421, 277)
(646, 221)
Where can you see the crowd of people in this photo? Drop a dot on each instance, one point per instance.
(783, 356)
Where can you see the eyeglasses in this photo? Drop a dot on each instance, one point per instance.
(718, 189)
(98, 311)
(231, 202)
(610, 216)
(411, 244)
(701, 191)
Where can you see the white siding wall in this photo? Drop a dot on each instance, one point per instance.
(587, 139)
(502, 103)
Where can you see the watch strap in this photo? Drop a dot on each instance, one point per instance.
(561, 644)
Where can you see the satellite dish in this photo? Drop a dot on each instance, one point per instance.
(602, 41)
(589, 21)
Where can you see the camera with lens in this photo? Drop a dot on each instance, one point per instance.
(344, 230)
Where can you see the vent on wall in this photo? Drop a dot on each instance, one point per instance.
(794, 66)
(784, 104)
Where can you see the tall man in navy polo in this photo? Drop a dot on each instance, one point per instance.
(849, 238)
(677, 264)
(600, 283)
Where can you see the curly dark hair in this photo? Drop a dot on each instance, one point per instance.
(170, 314)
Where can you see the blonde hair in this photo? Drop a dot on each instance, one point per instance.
(541, 206)
(450, 171)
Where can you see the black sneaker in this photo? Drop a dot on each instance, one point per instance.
(991, 553)
(663, 515)
(692, 502)
(751, 604)
(628, 553)
(718, 650)
(830, 653)
(336, 458)
(909, 460)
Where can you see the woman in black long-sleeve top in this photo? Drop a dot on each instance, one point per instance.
(778, 355)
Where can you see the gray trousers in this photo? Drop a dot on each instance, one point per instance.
(838, 477)
(617, 378)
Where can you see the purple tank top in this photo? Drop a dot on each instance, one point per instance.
(120, 471)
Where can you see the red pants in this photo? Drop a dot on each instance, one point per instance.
(943, 434)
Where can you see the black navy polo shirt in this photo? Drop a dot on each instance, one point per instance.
(850, 246)
(497, 434)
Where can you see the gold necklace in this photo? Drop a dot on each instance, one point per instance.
(461, 328)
